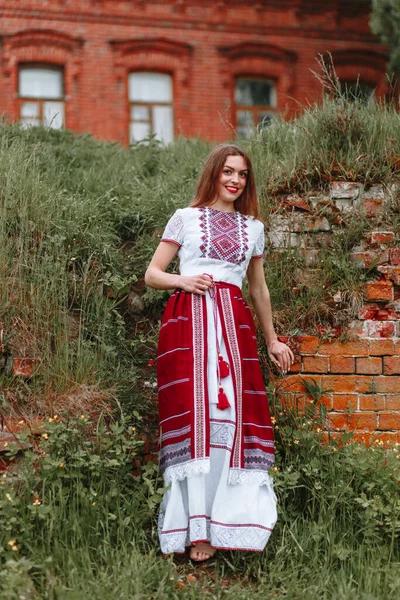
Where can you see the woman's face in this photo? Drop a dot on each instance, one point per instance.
(232, 180)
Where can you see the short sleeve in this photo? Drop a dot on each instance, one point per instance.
(258, 250)
(173, 231)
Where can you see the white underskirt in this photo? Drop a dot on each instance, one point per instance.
(204, 506)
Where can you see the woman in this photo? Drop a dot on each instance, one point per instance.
(215, 429)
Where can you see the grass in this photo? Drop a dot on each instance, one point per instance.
(79, 221)
(75, 522)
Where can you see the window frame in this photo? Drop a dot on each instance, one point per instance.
(255, 109)
(150, 105)
(42, 100)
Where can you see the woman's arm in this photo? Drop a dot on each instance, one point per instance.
(157, 278)
(279, 353)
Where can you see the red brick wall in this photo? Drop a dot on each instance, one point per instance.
(204, 45)
(359, 371)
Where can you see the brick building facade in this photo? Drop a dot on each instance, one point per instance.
(120, 69)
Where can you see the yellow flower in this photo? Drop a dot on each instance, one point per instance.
(273, 420)
(275, 469)
(37, 502)
(296, 441)
(45, 436)
(319, 429)
(12, 542)
(5, 444)
(4, 476)
(9, 497)
(21, 422)
(61, 465)
(15, 548)
(133, 428)
(50, 420)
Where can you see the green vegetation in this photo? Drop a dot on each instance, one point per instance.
(385, 23)
(79, 221)
(75, 523)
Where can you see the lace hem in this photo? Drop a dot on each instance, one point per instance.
(249, 477)
(186, 469)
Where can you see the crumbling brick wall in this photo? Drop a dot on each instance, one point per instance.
(359, 372)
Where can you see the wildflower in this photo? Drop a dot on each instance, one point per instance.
(50, 419)
(15, 547)
(276, 426)
(5, 444)
(273, 420)
(319, 429)
(4, 476)
(83, 418)
(335, 449)
(9, 497)
(61, 465)
(133, 429)
(296, 441)
(275, 469)
(12, 542)
(37, 502)
(43, 454)
(21, 422)
(93, 503)
(150, 363)
(45, 436)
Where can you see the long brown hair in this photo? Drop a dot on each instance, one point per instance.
(247, 202)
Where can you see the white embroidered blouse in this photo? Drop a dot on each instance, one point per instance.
(215, 242)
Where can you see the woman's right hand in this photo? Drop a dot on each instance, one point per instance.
(195, 284)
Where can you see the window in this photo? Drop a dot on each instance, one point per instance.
(255, 101)
(353, 90)
(41, 93)
(151, 111)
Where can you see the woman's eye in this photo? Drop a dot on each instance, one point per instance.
(243, 175)
(227, 171)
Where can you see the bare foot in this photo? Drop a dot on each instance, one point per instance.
(202, 551)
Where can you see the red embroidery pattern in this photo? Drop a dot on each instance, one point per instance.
(224, 235)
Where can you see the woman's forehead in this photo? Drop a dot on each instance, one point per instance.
(236, 162)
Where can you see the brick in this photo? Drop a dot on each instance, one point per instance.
(381, 347)
(390, 272)
(315, 364)
(394, 256)
(309, 344)
(381, 237)
(344, 189)
(338, 421)
(387, 384)
(294, 383)
(389, 421)
(380, 329)
(350, 348)
(379, 291)
(371, 402)
(358, 329)
(370, 365)
(368, 311)
(295, 368)
(347, 383)
(393, 402)
(372, 206)
(388, 439)
(363, 421)
(391, 365)
(345, 402)
(369, 257)
(342, 364)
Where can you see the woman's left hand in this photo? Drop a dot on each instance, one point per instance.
(281, 355)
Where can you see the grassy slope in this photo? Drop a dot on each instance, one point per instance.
(79, 221)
